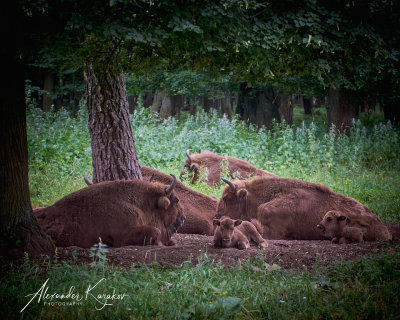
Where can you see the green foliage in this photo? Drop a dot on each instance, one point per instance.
(254, 289)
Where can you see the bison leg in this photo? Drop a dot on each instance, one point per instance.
(243, 245)
(141, 235)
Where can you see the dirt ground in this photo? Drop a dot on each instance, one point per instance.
(288, 254)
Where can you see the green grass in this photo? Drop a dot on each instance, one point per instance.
(367, 288)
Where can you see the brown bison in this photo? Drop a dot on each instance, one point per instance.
(291, 209)
(237, 168)
(123, 212)
(199, 208)
(343, 229)
(236, 233)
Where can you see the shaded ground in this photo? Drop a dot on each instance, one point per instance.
(299, 255)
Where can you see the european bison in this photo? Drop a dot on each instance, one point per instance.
(291, 209)
(207, 159)
(343, 229)
(236, 234)
(123, 212)
(199, 208)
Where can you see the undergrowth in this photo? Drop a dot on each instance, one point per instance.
(364, 165)
(366, 288)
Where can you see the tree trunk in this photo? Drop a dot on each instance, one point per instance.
(19, 229)
(147, 99)
(226, 106)
(267, 109)
(342, 108)
(285, 107)
(391, 111)
(192, 106)
(113, 148)
(177, 104)
(207, 104)
(307, 105)
(132, 102)
(48, 86)
(157, 101)
(166, 107)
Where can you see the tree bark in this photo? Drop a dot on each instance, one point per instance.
(19, 229)
(267, 109)
(157, 101)
(177, 104)
(166, 107)
(391, 111)
(113, 148)
(307, 105)
(285, 107)
(48, 85)
(342, 108)
(226, 106)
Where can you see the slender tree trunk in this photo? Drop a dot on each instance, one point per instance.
(207, 104)
(285, 107)
(391, 111)
(192, 106)
(157, 101)
(226, 106)
(113, 148)
(48, 86)
(166, 107)
(307, 105)
(342, 108)
(19, 230)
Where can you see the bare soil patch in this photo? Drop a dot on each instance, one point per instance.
(288, 254)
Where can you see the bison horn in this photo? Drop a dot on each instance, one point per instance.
(229, 183)
(86, 178)
(151, 178)
(172, 186)
(188, 155)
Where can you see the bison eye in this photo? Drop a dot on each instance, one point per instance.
(174, 200)
(329, 219)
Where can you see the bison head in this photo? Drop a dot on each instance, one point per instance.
(332, 223)
(233, 200)
(191, 166)
(224, 231)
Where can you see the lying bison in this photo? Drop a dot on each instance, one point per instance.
(123, 212)
(199, 208)
(291, 209)
(236, 234)
(343, 229)
(212, 162)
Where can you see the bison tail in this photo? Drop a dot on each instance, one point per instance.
(258, 225)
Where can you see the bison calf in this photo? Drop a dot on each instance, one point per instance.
(236, 233)
(336, 225)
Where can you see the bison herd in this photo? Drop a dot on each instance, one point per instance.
(255, 205)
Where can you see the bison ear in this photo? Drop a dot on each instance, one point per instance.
(242, 194)
(341, 218)
(163, 203)
(237, 223)
(194, 166)
(216, 222)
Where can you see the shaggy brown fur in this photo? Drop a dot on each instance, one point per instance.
(199, 208)
(227, 235)
(291, 209)
(251, 230)
(124, 212)
(341, 229)
(212, 162)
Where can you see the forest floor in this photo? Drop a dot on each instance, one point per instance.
(299, 255)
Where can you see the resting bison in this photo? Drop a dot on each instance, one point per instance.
(212, 162)
(236, 233)
(343, 229)
(291, 209)
(199, 208)
(123, 212)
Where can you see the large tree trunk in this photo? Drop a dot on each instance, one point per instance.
(285, 107)
(113, 148)
(342, 108)
(166, 107)
(19, 229)
(267, 109)
(177, 104)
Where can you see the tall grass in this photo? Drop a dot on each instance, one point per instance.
(364, 165)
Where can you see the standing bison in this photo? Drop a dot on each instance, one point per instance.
(292, 209)
(212, 162)
(123, 212)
